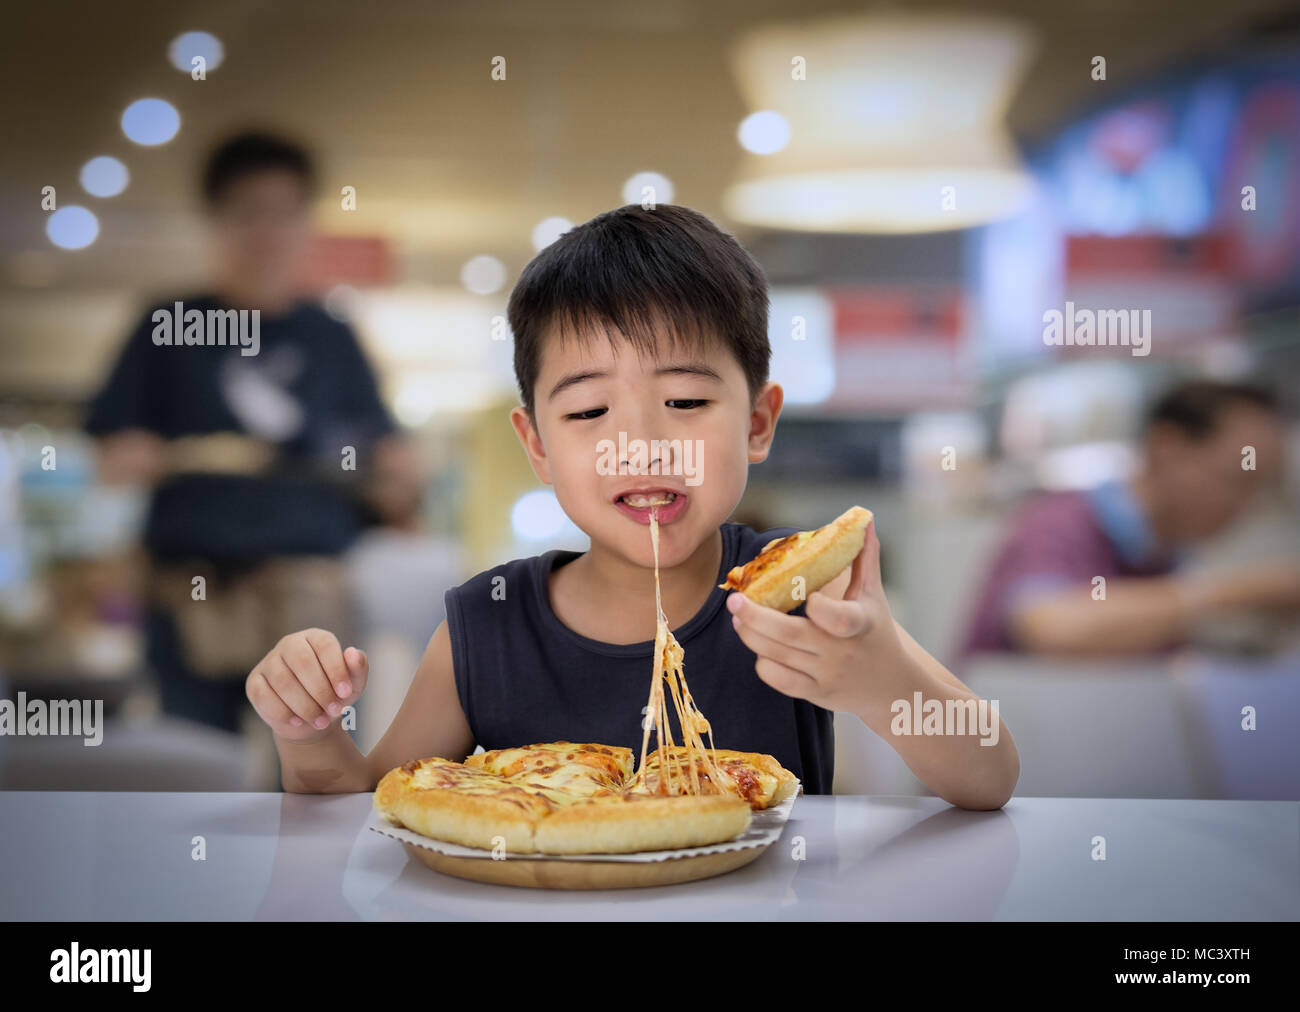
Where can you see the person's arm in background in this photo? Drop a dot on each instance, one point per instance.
(131, 457)
(396, 481)
(1145, 614)
(395, 475)
(124, 415)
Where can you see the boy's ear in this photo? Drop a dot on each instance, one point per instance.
(762, 420)
(527, 434)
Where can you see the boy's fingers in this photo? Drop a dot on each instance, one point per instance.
(778, 625)
(295, 676)
(330, 655)
(269, 706)
(282, 683)
(865, 576)
(301, 656)
(359, 671)
(765, 646)
(785, 679)
(844, 618)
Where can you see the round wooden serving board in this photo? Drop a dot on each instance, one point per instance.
(586, 874)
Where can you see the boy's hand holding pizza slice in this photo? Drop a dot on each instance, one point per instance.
(828, 657)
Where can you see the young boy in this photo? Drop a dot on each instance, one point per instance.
(639, 325)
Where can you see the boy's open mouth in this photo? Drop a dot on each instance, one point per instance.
(637, 503)
(641, 501)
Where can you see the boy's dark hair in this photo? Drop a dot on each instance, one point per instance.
(1196, 406)
(252, 152)
(633, 270)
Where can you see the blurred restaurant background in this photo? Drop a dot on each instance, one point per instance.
(903, 321)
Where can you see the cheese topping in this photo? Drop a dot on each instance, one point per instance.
(586, 770)
(537, 791)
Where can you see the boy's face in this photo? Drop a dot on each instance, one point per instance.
(585, 442)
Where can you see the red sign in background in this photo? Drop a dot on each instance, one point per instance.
(900, 348)
(362, 261)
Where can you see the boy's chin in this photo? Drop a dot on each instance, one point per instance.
(677, 543)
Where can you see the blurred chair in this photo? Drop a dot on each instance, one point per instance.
(1262, 762)
(397, 579)
(1161, 728)
(1108, 728)
(166, 754)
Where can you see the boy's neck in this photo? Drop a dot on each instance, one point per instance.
(624, 593)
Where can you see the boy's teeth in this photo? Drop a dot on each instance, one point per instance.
(658, 499)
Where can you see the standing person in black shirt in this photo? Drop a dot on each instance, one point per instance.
(266, 444)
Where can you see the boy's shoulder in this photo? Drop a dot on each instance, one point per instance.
(506, 575)
(750, 541)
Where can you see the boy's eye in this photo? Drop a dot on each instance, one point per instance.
(686, 405)
(589, 413)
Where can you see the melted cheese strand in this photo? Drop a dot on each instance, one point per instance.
(655, 707)
(668, 667)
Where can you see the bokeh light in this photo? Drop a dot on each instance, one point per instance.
(537, 515)
(483, 275)
(661, 186)
(186, 46)
(151, 121)
(764, 132)
(104, 177)
(72, 227)
(546, 232)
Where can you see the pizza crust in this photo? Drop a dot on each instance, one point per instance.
(631, 824)
(818, 556)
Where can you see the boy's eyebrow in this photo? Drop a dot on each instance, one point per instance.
(573, 377)
(693, 368)
(689, 368)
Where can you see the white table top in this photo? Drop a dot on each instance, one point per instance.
(128, 856)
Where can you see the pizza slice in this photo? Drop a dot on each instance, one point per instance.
(816, 556)
(447, 800)
(755, 777)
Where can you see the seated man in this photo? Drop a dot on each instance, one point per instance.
(1042, 594)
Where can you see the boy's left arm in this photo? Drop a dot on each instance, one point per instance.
(849, 654)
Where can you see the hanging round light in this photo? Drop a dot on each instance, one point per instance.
(896, 123)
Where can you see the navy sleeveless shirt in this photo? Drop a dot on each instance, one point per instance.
(525, 677)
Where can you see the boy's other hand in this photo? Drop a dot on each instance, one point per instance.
(303, 683)
(843, 653)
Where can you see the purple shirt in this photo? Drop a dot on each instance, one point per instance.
(1059, 540)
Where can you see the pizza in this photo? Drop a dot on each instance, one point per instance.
(581, 799)
(816, 557)
(567, 798)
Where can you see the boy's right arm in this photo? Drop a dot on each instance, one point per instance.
(307, 678)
